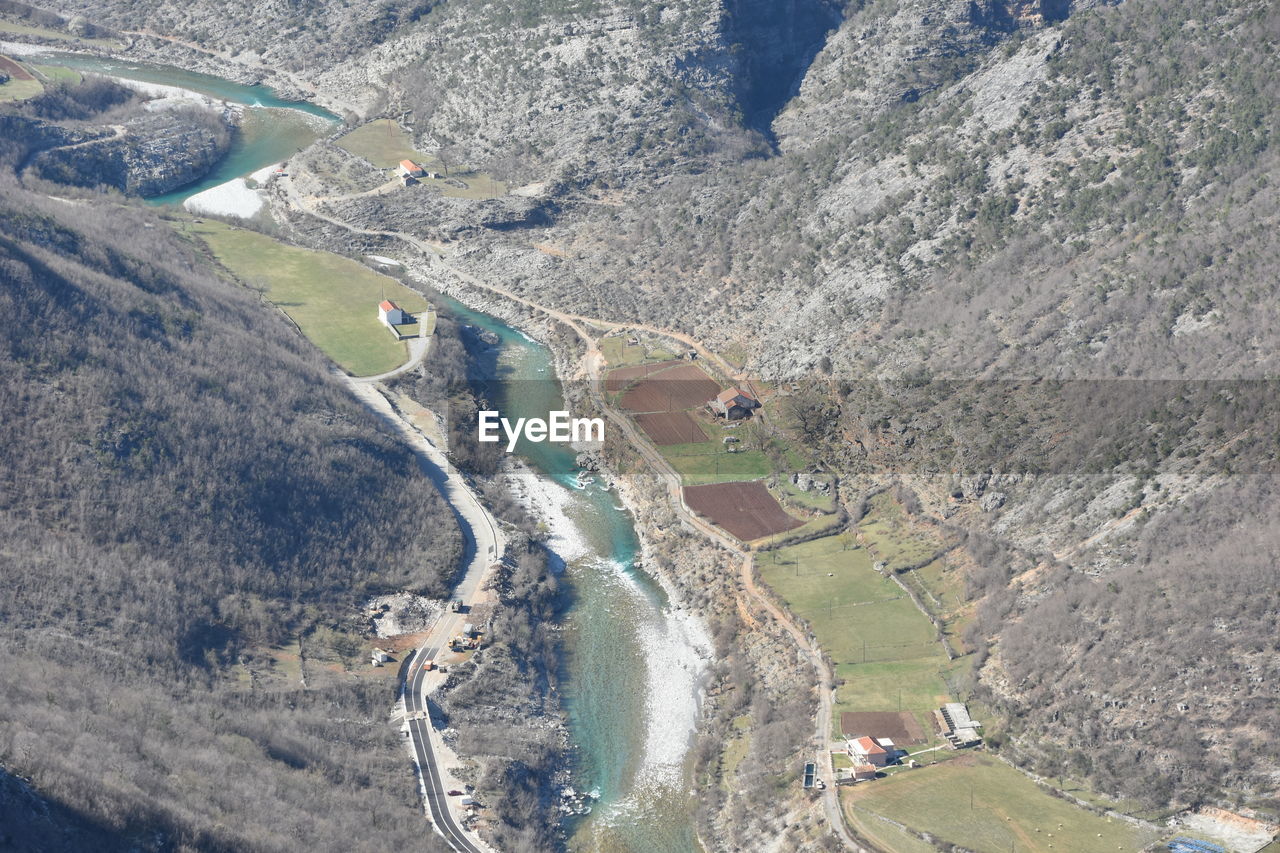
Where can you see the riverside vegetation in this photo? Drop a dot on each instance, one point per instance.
(899, 205)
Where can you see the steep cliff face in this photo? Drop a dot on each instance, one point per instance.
(887, 54)
(771, 45)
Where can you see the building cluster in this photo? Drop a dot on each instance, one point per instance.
(870, 753)
(410, 172)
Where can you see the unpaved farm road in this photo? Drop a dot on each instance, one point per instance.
(592, 367)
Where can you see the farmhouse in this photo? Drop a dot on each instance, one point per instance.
(865, 750)
(410, 169)
(733, 404)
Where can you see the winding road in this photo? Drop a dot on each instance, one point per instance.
(483, 547)
(593, 367)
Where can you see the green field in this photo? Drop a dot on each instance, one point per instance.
(18, 90)
(892, 539)
(885, 650)
(56, 73)
(884, 834)
(708, 462)
(618, 353)
(980, 803)
(384, 144)
(332, 299)
(857, 614)
(711, 462)
(914, 685)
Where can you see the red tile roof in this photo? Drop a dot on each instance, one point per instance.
(868, 746)
(387, 305)
(410, 166)
(728, 395)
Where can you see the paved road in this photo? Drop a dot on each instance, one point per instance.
(593, 367)
(433, 787)
(483, 546)
(418, 349)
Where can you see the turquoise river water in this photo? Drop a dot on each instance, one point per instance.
(630, 673)
(271, 130)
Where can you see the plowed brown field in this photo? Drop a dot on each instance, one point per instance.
(746, 510)
(667, 428)
(673, 390)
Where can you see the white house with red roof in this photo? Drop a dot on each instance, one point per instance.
(391, 315)
(867, 750)
(410, 169)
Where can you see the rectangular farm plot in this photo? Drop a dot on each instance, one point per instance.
(899, 726)
(746, 510)
(668, 428)
(675, 389)
(621, 377)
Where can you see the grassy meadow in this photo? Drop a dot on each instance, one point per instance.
(332, 299)
(980, 803)
(618, 353)
(884, 649)
(384, 144)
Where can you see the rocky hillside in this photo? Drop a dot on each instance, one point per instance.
(99, 134)
(999, 190)
(1072, 201)
(151, 154)
(909, 191)
(185, 487)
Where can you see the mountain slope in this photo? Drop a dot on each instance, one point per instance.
(184, 484)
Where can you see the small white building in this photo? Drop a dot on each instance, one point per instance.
(391, 314)
(410, 169)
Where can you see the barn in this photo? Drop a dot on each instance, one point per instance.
(733, 404)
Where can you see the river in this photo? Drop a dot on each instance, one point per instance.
(632, 667)
(271, 129)
(631, 670)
